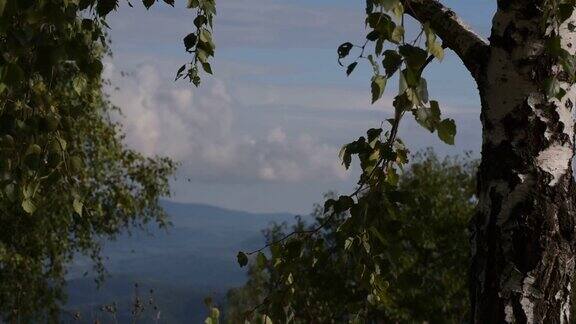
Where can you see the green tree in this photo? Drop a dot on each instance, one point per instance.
(66, 179)
(424, 271)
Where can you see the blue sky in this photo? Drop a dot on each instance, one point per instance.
(264, 132)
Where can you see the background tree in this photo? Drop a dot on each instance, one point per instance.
(67, 181)
(424, 272)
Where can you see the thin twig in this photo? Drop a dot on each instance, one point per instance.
(303, 232)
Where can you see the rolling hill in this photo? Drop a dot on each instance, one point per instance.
(193, 259)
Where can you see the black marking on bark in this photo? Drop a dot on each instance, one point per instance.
(518, 311)
(527, 252)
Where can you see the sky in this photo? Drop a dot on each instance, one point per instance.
(263, 133)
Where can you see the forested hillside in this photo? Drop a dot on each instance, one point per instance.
(185, 263)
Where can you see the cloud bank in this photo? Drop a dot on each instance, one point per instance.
(197, 128)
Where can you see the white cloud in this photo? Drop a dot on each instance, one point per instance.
(196, 127)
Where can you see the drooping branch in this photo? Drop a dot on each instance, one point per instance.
(456, 35)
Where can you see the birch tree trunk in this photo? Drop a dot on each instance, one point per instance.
(523, 236)
(524, 233)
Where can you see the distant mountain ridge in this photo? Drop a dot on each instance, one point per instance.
(194, 258)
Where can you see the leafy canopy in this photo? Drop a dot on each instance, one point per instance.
(66, 179)
(422, 251)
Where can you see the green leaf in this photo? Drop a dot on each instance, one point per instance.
(180, 72)
(34, 149)
(2, 6)
(200, 21)
(344, 203)
(391, 176)
(373, 35)
(392, 62)
(436, 50)
(398, 10)
(329, 204)
(377, 86)
(202, 56)
(447, 131)
(215, 314)
(206, 36)
(415, 57)
(351, 68)
(104, 7)
(261, 260)
(403, 85)
(379, 46)
(78, 205)
(290, 279)
(397, 35)
(412, 77)
(345, 156)
(242, 259)
(348, 243)
(148, 3)
(62, 144)
(79, 83)
(190, 41)
(435, 108)
(381, 22)
(402, 103)
(207, 68)
(28, 206)
(389, 4)
(266, 320)
(344, 49)
(373, 133)
(28, 191)
(427, 118)
(432, 45)
(365, 244)
(423, 90)
(10, 191)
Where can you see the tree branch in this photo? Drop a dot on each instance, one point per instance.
(455, 34)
